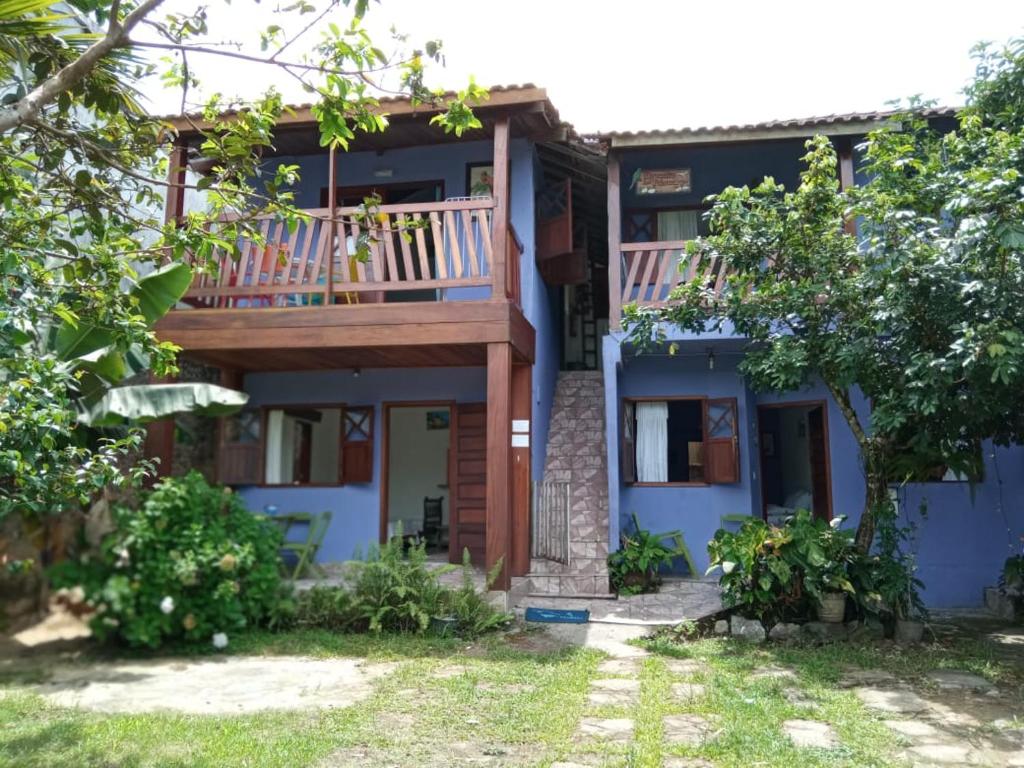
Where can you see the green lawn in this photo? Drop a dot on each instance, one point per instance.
(516, 700)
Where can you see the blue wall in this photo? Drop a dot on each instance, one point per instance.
(713, 168)
(355, 524)
(960, 541)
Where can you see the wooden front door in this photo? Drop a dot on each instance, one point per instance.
(818, 455)
(469, 482)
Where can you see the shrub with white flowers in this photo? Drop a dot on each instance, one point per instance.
(191, 563)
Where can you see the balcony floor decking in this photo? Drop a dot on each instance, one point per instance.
(406, 334)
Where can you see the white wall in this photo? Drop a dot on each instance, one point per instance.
(418, 465)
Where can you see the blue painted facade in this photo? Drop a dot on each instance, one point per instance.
(355, 508)
(964, 533)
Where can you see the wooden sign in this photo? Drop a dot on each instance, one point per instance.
(662, 181)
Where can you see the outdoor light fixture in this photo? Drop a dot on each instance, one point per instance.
(711, 359)
(356, 372)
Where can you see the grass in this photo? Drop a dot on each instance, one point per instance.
(515, 699)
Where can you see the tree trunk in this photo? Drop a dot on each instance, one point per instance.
(876, 504)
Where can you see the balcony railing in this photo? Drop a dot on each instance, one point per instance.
(650, 271)
(417, 252)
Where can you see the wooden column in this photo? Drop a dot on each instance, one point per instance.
(614, 252)
(499, 222)
(846, 180)
(159, 443)
(160, 439)
(499, 449)
(174, 202)
(522, 397)
(232, 378)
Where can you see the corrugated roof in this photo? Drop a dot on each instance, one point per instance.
(847, 120)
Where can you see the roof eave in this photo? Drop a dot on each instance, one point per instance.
(729, 135)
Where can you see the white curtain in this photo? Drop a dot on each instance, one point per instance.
(275, 440)
(677, 225)
(652, 442)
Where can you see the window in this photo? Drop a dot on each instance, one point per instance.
(643, 225)
(297, 445)
(302, 446)
(680, 441)
(940, 472)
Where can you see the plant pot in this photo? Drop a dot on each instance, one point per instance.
(909, 631)
(443, 626)
(832, 608)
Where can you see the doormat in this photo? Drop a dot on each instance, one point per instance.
(557, 616)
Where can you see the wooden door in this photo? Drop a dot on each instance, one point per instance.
(469, 482)
(818, 456)
(721, 441)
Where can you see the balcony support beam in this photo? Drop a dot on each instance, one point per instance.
(499, 222)
(498, 491)
(614, 252)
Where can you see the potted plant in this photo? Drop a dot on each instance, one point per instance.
(823, 551)
(634, 568)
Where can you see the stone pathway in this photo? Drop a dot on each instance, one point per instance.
(966, 721)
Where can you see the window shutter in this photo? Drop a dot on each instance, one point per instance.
(356, 444)
(627, 448)
(721, 441)
(240, 449)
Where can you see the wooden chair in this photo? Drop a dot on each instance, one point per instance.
(433, 514)
(304, 551)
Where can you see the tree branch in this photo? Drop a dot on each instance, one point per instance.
(29, 106)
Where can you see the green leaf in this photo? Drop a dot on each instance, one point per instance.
(151, 402)
(161, 289)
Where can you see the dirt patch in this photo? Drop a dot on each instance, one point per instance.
(233, 685)
(460, 753)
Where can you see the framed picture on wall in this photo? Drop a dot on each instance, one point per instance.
(479, 179)
(437, 419)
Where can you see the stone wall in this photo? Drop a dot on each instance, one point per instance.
(576, 454)
(195, 437)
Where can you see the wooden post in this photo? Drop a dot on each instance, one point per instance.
(332, 204)
(614, 246)
(499, 222)
(522, 396)
(846, 180)
(160, 438)
(160, 434)
(174, 201)
(499, 448)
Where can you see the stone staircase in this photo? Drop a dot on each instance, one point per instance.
(576, 454)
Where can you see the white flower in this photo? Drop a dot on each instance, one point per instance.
(220, 641)
(728, 566)
(123, 557)
(167, 604)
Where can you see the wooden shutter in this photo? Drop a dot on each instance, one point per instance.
(240, 449)
(818, 455)
(627, 447)
(356, 444)
(721, 441)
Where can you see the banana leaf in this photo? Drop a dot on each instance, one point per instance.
(151, 402)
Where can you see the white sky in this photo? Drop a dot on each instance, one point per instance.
(662, 64)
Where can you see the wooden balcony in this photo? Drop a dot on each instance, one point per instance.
(417, 252)
(650, 271)
(425, 295)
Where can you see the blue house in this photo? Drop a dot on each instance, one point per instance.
(470, 381)
(691, 446)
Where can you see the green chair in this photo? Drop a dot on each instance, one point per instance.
(304, 551)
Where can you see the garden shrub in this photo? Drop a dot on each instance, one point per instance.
(393, 591)
(772, 573)
(634, 568)
(190, 563)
